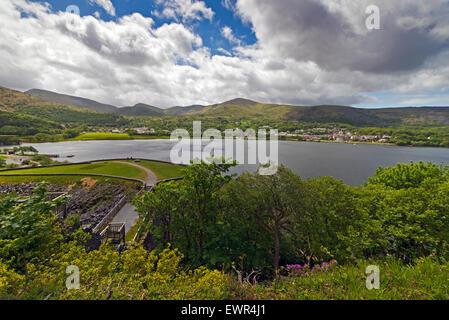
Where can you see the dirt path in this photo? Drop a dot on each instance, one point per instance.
(151, 178)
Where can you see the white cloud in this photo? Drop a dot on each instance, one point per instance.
(184, 10)
(332, 33)
(228, 4)
(224, 51)
(426, 100)
(106, 5)
(130, 60)
(228, 34)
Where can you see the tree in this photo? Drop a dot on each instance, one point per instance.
(26, 229)
(202, 183)
(267, 204)
(324, 214)
(404, 176)
(185, 213)
(159, 208)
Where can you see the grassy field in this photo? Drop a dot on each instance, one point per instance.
(113, 136)
(102, 136)
(61, 180)
(162, 170)
(150, 137)
(107, 168)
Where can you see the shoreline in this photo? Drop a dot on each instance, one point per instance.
(133, 138)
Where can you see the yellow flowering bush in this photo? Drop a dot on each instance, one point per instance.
(10, 282)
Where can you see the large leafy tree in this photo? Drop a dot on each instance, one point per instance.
(412, 175)
(266, 205)
(327, 221)
(186, 213)
(27, 229)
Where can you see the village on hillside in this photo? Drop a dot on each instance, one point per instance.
(334, 134)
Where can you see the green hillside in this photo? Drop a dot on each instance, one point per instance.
(15, 102)
(45, 116)
(241, 108)
(140, 109)
(179, 111)
(22, 125)
(246, 109)
(71, 100)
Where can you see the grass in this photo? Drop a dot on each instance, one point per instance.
(163, 170)
(113, 136)
(60, 180)
(107, 168)
(132, 233)
(426, 279)
(102, 136)
(149, 137)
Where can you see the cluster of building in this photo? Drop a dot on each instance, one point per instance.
(334, 134)
(142, 130)
(314, 134)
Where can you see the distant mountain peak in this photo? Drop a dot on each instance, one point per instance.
(71, 100)
(141, 104)
(140, 109)
(240, 101)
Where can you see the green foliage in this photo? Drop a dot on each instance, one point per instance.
(413, 175)
(8, 140)
(264, 207)
(104, 274)
(403, 231)
(71, 133)
(42, 159)
(261, 222)
(424, 280)
(26, 228)
(24, 125)
(25, 115)
(184, 213)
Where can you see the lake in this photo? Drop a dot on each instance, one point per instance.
(351, 163)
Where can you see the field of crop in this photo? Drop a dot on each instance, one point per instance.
(102, 136)
(107, 168)
(163, 170)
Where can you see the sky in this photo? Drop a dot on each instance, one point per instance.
(183, 52)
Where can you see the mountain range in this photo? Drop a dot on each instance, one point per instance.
(140, 109)
(60, 108)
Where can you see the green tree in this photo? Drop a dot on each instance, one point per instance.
(266, 204)
(159, 208)
(327, 221)
(185, 213)
(27, 229)
(404, 176)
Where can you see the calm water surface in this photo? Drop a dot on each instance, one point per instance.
(352, 163)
